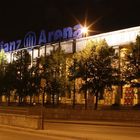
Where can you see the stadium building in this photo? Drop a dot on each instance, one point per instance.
(42, 46)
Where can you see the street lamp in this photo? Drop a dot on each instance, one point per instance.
(43, 85)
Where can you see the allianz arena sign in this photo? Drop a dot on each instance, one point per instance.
(31, 39)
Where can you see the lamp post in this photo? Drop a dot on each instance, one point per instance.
(43, 85)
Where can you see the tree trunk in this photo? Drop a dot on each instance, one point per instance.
(8, 100)
(24, 100)
(30, 100)
(119, 95)
(20, 100)
(74, 100)
(57, 99)
(53, 98)
(38, 98)
(0, 99)
(43, 97)
(86, 100)
(96, 102)
(139, 96)
(49, 98)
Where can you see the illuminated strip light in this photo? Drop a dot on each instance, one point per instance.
(119, 37)
(114, 38)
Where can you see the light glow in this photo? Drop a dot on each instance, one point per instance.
(84, 30)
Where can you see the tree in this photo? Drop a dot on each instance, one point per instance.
(1, 83)
(119, 63)
(54, 66)
(132, 73)
(22, 62)
(95, 68)
(3, 59)
(3, 63)
(9, 80)
(35, 78)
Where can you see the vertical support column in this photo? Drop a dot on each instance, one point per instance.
(32, 57)
(11, 57)
(45, 50)
(39, 52)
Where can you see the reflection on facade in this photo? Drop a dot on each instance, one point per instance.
(118, 39)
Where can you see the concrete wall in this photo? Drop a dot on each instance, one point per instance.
(101, 115)
(33, 121)
(20, 120)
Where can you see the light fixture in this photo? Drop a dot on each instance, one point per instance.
(84, 31)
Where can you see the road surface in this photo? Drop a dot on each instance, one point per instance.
(62, 131)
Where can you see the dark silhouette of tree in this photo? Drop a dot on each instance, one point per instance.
(35, 78)
(132, 73)
(54, 66)
(22, 63)
(2, 75)
(3, 63)
(94, 66)
(9, 80)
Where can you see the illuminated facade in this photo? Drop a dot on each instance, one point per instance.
(115, 39)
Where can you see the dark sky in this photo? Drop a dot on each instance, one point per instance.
(20, 16)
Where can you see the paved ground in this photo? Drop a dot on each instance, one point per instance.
(9, 134)
(64, 130)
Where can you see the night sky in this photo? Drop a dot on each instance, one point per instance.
(17, 17)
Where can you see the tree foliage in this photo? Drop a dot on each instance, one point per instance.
(54, 66)
(94, 66)
(3, 58)
(22, 63)
(133, 64)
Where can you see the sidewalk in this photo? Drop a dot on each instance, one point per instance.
(67, 134)
(104, 123)
(55, 134)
